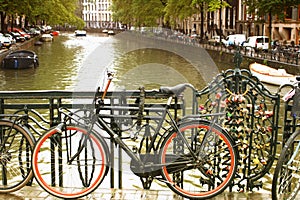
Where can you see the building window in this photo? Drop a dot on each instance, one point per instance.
(289, 13)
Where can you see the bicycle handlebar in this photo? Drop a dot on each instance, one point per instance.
(292, 85)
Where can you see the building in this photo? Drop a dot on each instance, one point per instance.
(225, 21)
(97, 14)
(236, 19)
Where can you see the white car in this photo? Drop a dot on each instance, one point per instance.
(5, 41)
(234, 40)
(11, 38)
(257, 42)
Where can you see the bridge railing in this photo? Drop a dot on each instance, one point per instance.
(252, 117)
(42, 108)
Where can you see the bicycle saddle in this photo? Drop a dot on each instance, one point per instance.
(175, 90)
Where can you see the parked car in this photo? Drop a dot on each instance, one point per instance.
(5, 41)
(215, 40)
(234, 40)
(257, 42)
(17, 36)
(32, 31)
(11, 38)
(21, 32)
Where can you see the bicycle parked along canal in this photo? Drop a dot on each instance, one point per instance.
(286, 180)
(194, 156)
(16, 146)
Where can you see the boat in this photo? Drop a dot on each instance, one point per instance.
(20, 59)
(47, 37)
(270, 75)
(38, 43)
(110, 32)
(80, 33)
(55, 33)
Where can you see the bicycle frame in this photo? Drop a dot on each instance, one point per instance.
(97, 119)
(142, 163)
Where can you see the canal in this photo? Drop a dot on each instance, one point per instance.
(70, 63)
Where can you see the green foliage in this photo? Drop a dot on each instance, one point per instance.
(275, 7)
(265, 62)
(138, 12)
(147, 12)
(211, 5)
(53, 12)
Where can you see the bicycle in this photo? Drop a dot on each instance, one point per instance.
(286, 180)
(16, 146)
(195, 157)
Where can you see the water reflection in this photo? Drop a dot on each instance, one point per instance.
(164, 63)
(153, 68)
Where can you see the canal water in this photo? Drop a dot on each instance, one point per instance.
(70, 63)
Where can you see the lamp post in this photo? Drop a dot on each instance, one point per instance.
(220, 16)
(250, 23)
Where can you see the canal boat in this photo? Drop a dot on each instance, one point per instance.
(80, 33)
(110, 32)
(46, 38)
(270, 75)
(55, 33)
(20, 59)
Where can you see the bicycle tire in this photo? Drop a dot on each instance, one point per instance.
(203, 178)
(16, 146)
(286, 179)
(74, 179)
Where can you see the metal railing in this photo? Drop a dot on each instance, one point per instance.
(252, 117)
(42, 108)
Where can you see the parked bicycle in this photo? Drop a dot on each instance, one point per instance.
(195, 157)
(16, 146)
(286, 180)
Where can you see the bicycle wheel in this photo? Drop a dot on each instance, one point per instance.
(58, 174)
(286, 180)
(16, 146)
(210, 172)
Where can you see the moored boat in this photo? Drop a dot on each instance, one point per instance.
(55, 33)
(110, 32)
(270, 75)
(80, 33)
(20, 59)
(47, 38)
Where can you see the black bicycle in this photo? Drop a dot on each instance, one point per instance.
(286, 180)
(194, 156)
(16, 146)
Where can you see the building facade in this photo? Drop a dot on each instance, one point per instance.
(225, 21)
(236, 19)
(97, 14)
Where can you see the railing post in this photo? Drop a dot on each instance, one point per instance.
(1, 106)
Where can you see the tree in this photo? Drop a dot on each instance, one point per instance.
(54, 12)
(147, 12)
(178, 10)
(182, 9)
(208, 6)
(138, 12)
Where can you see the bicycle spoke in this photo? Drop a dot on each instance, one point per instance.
(205, 176)
(286, 180)
(15, 157)
(69, 165)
